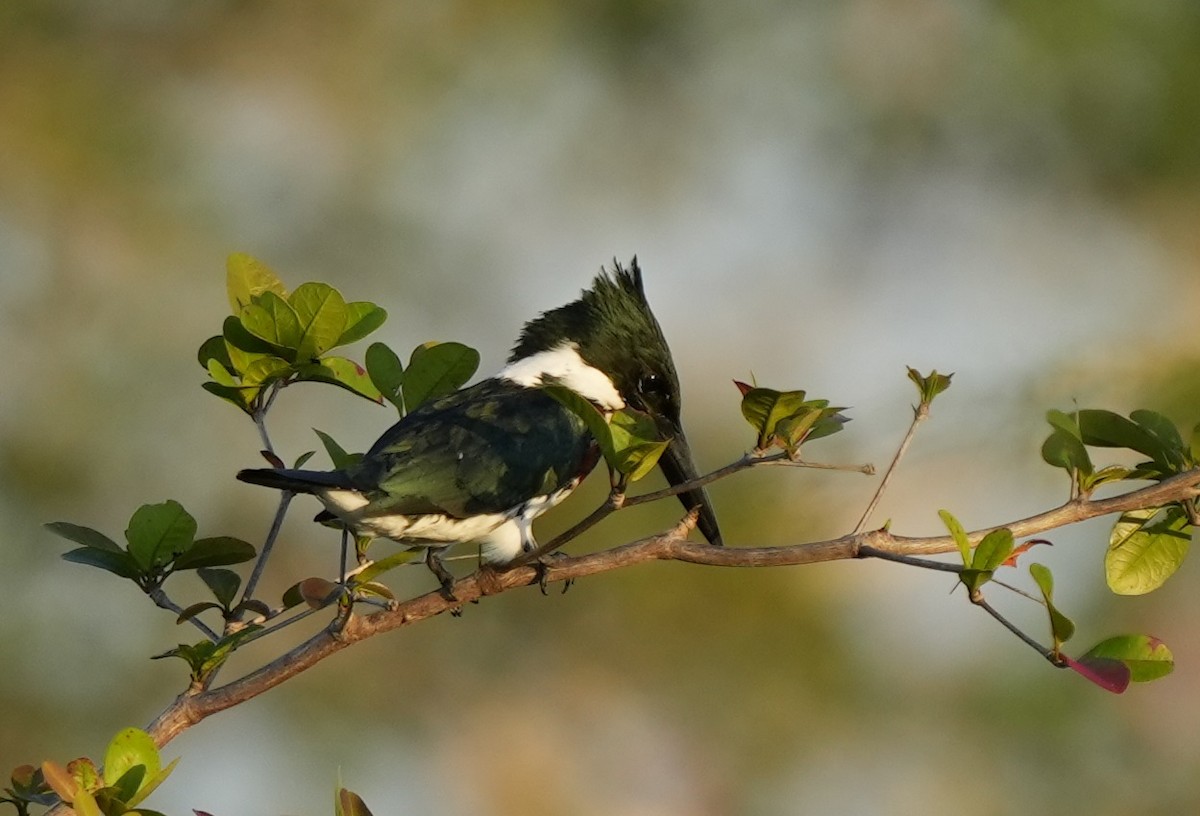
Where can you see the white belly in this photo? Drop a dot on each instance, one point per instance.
(501, 536)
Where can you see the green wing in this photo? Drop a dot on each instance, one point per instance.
(484, 449)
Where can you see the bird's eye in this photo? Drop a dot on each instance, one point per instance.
(653, 385)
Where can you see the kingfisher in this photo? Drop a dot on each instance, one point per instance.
(477, 466)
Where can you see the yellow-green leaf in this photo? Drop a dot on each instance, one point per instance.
(247, 277)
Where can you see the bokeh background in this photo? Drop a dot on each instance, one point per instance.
(820, 193)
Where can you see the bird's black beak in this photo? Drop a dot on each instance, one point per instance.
(677, 466)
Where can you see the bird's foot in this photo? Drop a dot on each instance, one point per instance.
(543, 564)
(443, 575)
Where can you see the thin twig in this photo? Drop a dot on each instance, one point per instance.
(285, 498)
(978, 600)
(920, 414)
(612, 504)
(866, 551)
(161, 600)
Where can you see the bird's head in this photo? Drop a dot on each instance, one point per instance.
(614, 332)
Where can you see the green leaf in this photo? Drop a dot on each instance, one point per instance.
(1067, 423)
(959, 535)
(387, 373)
(1108, 473)
(1164, 430)
(292, 596)
(271, 318)
(994, 550)
(223, 583)
(217, 551)
(1158, 426)
(233, 395)
(195, 609)
(337, 454)
(1144, 552)
(149, 786)
(263, 371)
(242, 347)
(1062, 449)
(1147, 657)
(1062, 628)
(435, 369)
(321, 313)
(130, 748)
(638, 461)
(246, 277)
(259, 611)
(159, 532)
(221, 375)
(636, 447)
(341, 372)
(376, 589)
(596, 424)
(1109, 430)
(84, 804)
(213, 349)
(83, 535)
(118, 563)
(362, 318)
(368, 573)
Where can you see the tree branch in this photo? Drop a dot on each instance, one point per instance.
(195, 705)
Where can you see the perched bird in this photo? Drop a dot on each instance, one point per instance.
(480, 464)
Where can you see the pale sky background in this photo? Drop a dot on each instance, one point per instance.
(819, 194)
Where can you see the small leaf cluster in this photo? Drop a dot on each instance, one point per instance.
(160, 541)
(787, 419)
(274, 337)
(206, 656)
(929, 385)
(1146, 546)
(27, 786)
(628, 438)
(434, 370)
(1111, 664)
(132, 771)
(979, 565)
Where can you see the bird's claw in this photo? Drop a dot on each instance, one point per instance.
(542, 565)
(443, 575)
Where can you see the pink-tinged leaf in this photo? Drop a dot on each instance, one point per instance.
(743, 387)
(1110, 675)
(1147, 657)
(1011, 561)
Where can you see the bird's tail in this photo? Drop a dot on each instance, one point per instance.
(297, 481)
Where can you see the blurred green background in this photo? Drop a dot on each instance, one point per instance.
(819, 193)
